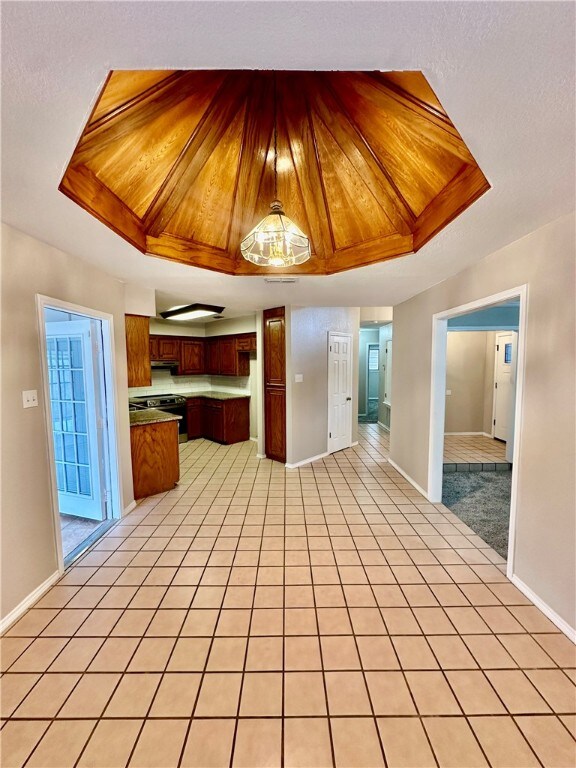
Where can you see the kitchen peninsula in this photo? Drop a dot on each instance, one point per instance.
(154, 447)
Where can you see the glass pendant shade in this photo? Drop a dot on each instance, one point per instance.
(276, 241)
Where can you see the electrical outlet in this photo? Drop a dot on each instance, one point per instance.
(29, 398)
(448, 391)
(298, 378)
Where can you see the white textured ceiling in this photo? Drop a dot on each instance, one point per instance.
(503, 71)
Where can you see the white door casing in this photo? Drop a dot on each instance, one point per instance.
(77, 419)
(504, 364)
(388, 373)
(339, 391)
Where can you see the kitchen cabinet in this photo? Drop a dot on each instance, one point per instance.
(275, 383)
(246, 342)
(212, 352)
(165, 348)
(137, 356)
(194, 416)
(192, 357)
(224, 421)
(228, 356)
(155, 457)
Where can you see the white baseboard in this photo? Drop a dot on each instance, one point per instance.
(562, 625)
(307, 461)
(32, 598)
(406, 476)
(129, 508)
(260, 455)
(254, 439)
(455, 434)
(384, 427)
(353, 444)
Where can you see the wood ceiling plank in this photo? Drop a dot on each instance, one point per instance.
(467, 187)
(214, 124)
(256, 142)
(353, 145)
(444, 131)
(142, 109)
(121, 87)
(304, 154)
(82, 186)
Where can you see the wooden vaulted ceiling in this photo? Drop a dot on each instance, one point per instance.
(180, 164)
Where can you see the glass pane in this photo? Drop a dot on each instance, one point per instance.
(67, 417)
(60, 477)
(78, 385)
(82, 449)
(80, 415)
(56, 418)
(76, 352)
(69, 448)
(71, 484)
(508, 353)
(63, 353)
(373, 359)
(84, 480)
(58, 447)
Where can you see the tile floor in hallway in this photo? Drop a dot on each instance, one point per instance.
(254, 616)
(473, 448)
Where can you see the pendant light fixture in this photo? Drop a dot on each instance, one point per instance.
(276, 241)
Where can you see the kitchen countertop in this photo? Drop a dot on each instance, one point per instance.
(213, 395)
(151, 416)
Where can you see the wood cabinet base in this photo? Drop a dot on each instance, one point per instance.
(155, 458)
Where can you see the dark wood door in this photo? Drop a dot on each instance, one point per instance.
(194, 422)
(275, 384)
(192, 360)
(212, 359)
(168, 348)
(228, 357)
(138, 350)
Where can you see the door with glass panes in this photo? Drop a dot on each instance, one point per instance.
(76, 411)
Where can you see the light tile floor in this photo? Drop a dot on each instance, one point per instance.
(260, 617)
(473, 448)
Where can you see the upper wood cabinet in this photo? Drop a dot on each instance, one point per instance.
(216, 356)
(192, 357)
(212, 356)
(137, 354)
(165, 348)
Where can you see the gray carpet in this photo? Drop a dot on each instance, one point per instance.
(482, 501)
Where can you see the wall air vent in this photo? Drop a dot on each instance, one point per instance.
(280, 279)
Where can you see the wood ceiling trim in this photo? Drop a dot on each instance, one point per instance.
(211, 128)
(462, 191)
(371, 252)
(196, 254)
(85, 189)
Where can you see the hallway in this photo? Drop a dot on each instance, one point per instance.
(257, 616)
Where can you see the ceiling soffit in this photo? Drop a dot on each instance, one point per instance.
(181, 164)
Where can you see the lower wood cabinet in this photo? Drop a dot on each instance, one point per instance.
(155, 457)
(224, 421)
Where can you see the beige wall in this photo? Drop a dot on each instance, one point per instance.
(30, 267)
(307, 353)
(545, 528)
(466, 380)
(487, 416)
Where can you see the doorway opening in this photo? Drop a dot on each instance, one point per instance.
(477, 378)
(78, 389)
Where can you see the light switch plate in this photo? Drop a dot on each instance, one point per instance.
(29, 398)
(298, 378)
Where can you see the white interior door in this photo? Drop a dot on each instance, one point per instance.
(503, 385)
(388, 373)
(75, 405)
(339, 391)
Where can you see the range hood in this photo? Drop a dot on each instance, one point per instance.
(164, 365)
